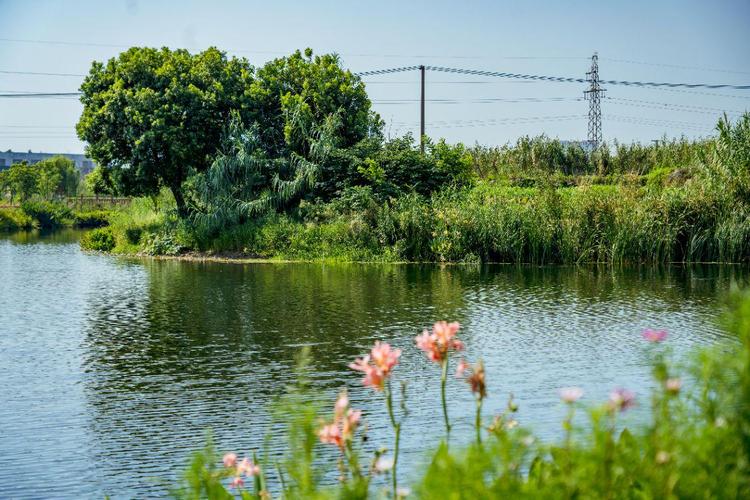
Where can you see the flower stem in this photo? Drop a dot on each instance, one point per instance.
(478, 420)
(443, 379)
(397, 430)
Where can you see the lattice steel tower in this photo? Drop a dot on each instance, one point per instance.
(594, 93)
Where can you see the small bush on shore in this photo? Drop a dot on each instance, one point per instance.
(98, 240)
(14, 219)
(91, 218)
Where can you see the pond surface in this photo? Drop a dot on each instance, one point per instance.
(113, 369)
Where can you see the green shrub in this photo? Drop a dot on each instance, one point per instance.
(91, 218)
(99, 240)
(657, 178)
(141, 217)
(162, 244)
(14, 219)
(133, 235)
(47, 214)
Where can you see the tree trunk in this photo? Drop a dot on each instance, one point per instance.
(180, 200)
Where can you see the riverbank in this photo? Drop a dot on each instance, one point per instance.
(487, 222)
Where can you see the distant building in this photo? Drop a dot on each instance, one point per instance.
(8, 158)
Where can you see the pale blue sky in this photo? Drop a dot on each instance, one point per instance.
(683, 41)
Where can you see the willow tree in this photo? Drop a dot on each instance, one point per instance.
(245, 182)
(152, 117)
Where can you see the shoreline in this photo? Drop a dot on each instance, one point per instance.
(238, 258)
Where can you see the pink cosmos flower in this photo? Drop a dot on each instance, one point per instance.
(378, 365)
(673, 385)
(247, 467)
(570, 395)
(385, 357)
(654, 335)
(461, 368)
(621, 399)
(331, 434)
(442, 339)
(350, 422)
(229, 460)
(474, 375)
(237, 482)
(345, 422)
(342, 403)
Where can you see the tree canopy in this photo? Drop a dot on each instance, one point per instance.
(294, 95)
(20, 180)
(56, 176)
(154, 116)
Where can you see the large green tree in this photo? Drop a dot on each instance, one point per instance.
(152, 117)
(294, 95)
(57, 176)
(22, 180)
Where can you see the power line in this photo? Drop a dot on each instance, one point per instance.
(671, 106)
(39, 73)
(444, 82)
(500, 121)
(37, 126)
(639, 120)
(560, 79)
(480, 100)
(41, 94)
(698, 92)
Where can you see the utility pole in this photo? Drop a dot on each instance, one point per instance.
(421, 112)
(594, 93)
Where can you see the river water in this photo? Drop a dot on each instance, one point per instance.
(113, 369)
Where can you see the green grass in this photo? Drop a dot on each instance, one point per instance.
(132, 225)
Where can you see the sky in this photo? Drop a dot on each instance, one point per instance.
(47, 45)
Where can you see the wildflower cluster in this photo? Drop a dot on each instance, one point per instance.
(240, 470)
(345, 421)
(377, 365)
(442, 340)
(666, 460)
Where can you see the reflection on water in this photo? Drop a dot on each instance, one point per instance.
(114, 368)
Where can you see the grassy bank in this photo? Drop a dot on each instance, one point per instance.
(49, 215)
(487, 222)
